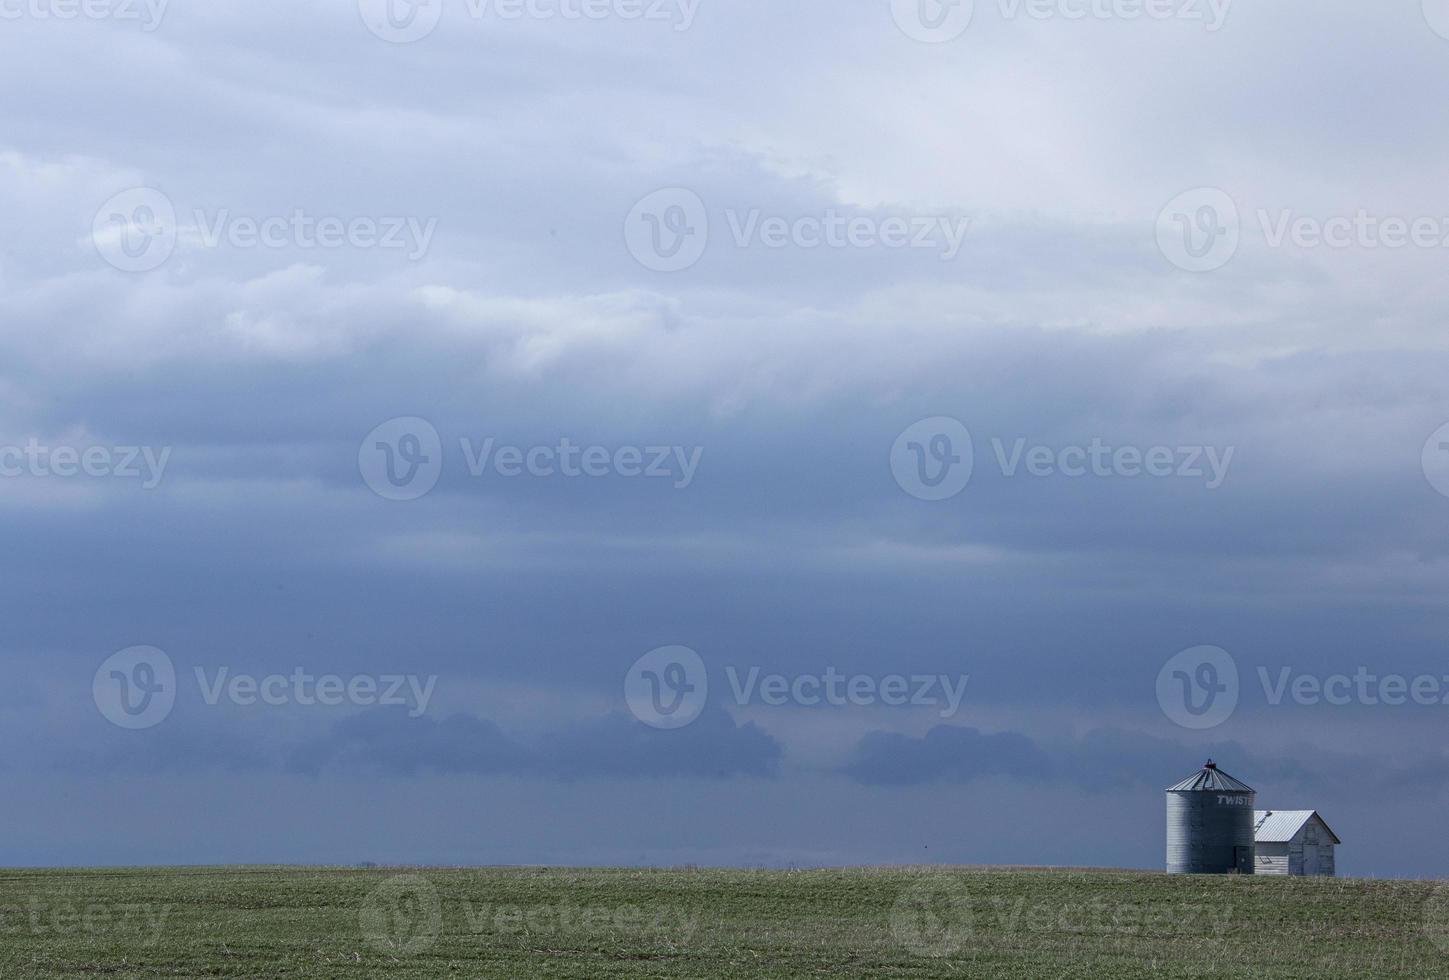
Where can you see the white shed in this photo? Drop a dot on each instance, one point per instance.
(1294, 842)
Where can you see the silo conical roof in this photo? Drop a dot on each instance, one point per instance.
(1211, 779)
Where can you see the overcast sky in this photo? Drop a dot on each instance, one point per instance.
(1077, 381)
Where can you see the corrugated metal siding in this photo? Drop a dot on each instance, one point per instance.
(1210, 832)
(1272, 859)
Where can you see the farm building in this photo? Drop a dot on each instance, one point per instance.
(1210, 824)
(1293, 842)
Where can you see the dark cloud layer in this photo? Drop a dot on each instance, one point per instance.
(392, 744)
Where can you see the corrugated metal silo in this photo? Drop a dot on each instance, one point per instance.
(1210, 824)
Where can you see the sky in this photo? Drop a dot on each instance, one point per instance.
(676, 431)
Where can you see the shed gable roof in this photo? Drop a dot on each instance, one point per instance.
(1281, 826)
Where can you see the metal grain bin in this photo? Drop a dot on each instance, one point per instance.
(1210, 824)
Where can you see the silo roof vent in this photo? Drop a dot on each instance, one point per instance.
(1211, 779)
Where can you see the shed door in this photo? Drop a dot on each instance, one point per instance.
(1310, 859)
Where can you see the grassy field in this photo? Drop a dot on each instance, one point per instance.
(870, 922)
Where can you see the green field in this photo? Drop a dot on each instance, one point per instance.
(868, 922)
